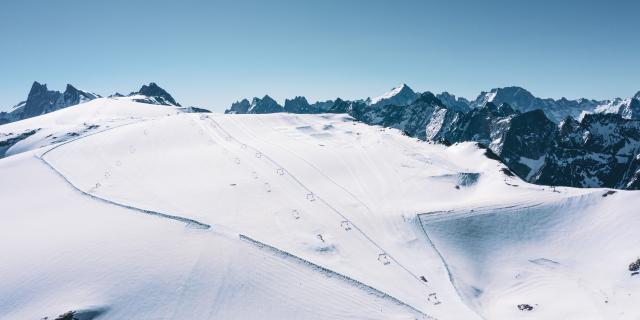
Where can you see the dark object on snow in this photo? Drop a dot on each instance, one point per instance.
(525, 307)
(67, 316)
(88, 314)
(635, 266)
(507, 172)
(610, 192)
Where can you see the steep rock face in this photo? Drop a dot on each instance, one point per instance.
(264, 105)
(526, 143)
(520, 139)
(411, 119)
(14, 114)
(631, 110)
(452, 103)
(73, 96)
(239, 107)
(153, 94)
(298, 105)
(42, 100)
(442, 120)
(523, 101)
(486, 125)
(626, 108)
(322, 106)
(600, 150)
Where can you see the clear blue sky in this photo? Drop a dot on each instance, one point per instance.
(211, 53)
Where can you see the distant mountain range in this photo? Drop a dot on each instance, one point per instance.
(41, 100)
(579, 143)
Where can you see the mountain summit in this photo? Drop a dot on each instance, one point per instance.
(41, 100)
(399, 96)
(153, 94)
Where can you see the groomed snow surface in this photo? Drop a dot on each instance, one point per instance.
(157, 214)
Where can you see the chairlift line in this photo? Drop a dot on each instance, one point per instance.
(383, 257)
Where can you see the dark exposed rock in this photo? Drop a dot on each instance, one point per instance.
(452, 103)
(600, 150)
(239, 107)
(634, 266)
(299, 105)
(42, 100)
(8, 140)
(264, 105)
(525, 307)
(153, 94)
(522, 100)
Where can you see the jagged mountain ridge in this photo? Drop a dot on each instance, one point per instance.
(153, 94)
(41, 100)
(529, 141)
(399, 96)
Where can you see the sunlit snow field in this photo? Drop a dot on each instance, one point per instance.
(158, 214)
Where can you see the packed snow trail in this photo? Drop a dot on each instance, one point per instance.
(221, 182)
(62, 251)
(249, 131)
(283, 171)
(197, 224)
(189, 222)
(331, 273)
(317, 197)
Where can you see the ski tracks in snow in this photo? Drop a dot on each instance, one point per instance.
(191, 223)
(386, 256)
(42, 157)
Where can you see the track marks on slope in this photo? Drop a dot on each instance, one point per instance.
(331, 273)
(42, 157)
(387, 256)
(312, 196)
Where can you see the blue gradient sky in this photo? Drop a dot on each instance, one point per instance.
(211, 53)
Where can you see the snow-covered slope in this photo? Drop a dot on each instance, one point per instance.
(566, 259)
(173, 215)
(72, 122)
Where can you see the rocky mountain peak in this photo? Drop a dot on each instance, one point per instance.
(239, 107)
(155, 94)
(452, 102)
(298, 104)
(264, 105)
(399, 96)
